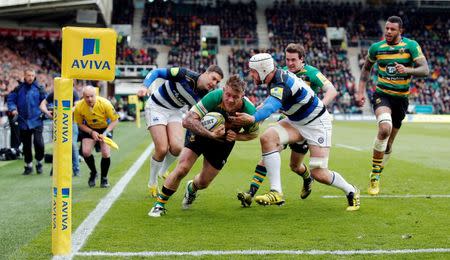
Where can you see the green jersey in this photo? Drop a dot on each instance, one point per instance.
(389, 80)
(311, 76)
(212, 102)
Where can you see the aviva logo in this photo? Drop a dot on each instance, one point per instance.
(91, 46)
(88, 53)
(65, 104)
(65, 192)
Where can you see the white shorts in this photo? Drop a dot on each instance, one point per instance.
(158, 115)
(318, 132)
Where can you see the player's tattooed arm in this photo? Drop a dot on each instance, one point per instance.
(365, 74)
(421, 69)
(192, 122)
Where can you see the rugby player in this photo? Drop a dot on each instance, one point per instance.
(398, 59)
(163, 113)
(215, 145)
(295, 63)
(307, 119)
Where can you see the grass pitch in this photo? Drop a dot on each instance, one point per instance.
(419, 166)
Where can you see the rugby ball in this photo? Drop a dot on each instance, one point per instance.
(212, 120)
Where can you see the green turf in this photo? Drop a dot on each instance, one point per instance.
(25, 200)
(419, 165)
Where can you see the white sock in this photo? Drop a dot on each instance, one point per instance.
(154, 169)
(38, 162)
(168, 160)
(386, 159)
(272, 161)
(29, 165)
(339, 182)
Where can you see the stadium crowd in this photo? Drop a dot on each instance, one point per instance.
(127, 55)
(178, 25)
(288, 22)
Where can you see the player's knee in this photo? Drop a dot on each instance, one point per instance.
(266, 138)
(86, 152)
(318, 163)
(319, 169)
(384, 131)
(175, 150)
(160, 152)
(384, 121)
(273, 136)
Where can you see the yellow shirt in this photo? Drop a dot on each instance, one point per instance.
(97, 116)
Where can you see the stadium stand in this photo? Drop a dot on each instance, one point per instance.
(127, 55)
(288, 22)
(178, 25)
(40, 54)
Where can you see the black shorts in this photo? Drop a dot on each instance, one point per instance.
(216, 153)
(299, 147)
(398, 106)
(83, 134)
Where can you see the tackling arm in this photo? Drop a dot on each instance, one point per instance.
(154, 74)
(150, 78)
(271, 105)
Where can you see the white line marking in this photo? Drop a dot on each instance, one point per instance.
(393, 196)
(350, 147)
(85, 229)
(268, 252)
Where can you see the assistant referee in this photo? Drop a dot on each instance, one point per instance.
(92, 115)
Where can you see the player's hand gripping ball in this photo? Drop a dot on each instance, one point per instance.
(212, 120)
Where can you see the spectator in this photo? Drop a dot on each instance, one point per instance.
(23, 103)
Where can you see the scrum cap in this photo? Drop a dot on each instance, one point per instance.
(263, 64)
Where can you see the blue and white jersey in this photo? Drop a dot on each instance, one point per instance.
(293, 97)
(178, 90)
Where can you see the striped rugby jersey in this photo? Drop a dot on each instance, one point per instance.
(389, 80)
(312, 77)
(298, 100)
(178, 90)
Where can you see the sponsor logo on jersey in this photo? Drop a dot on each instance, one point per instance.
(390, 69)
(277, 92)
